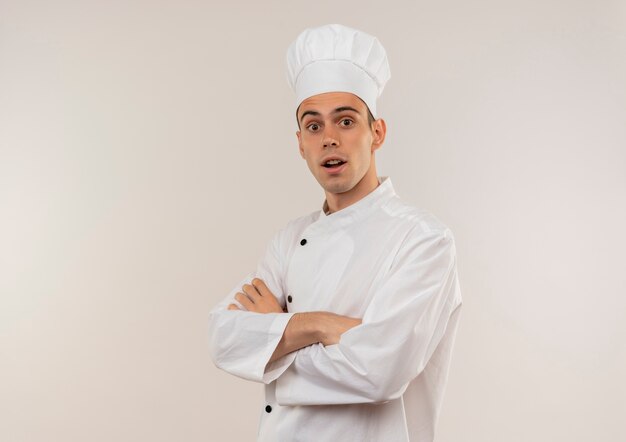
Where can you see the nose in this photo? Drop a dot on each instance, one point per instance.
(329, 138)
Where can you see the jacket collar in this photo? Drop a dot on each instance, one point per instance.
(355, 211)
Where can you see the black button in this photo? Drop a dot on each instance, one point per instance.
(268, 408)
(303, 242)
(289, 298)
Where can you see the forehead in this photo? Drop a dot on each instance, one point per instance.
(326, 102)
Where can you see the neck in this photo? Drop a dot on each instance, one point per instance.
(338, 201)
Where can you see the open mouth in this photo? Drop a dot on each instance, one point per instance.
(333, 164)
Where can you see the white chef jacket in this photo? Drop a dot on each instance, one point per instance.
(379, 259)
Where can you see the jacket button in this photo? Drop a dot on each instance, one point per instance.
(303, 242)
(268, 408)
(289, 298)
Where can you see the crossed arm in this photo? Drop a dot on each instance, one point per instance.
(324, 358)
(303, 329)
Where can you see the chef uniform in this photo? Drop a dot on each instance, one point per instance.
(379, 259)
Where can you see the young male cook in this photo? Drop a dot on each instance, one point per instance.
(350, 317)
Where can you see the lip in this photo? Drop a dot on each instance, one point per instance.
(332, 157)
(335, 170)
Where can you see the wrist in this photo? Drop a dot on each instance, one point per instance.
(308, 327)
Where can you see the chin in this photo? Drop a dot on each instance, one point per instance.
(337, 186)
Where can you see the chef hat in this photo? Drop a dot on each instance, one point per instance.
(336, 58)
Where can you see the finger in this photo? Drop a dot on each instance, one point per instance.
(244, 300)
(251, 291)
(233, 307)
(261, 287)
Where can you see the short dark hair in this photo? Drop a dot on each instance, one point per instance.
(370, 117)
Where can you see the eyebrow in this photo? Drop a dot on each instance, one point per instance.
(336, 111)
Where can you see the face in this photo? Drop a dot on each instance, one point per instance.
(335, 125)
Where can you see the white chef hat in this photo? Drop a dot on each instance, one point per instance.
(336, 58)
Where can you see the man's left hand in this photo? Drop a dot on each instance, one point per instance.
(256, 297)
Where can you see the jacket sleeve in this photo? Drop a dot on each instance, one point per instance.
(401, 328)
(241, 342)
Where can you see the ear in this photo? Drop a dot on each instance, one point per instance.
(379, 130)
(300, 143)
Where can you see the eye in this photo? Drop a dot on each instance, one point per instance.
(313, 127)
(350, 122)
